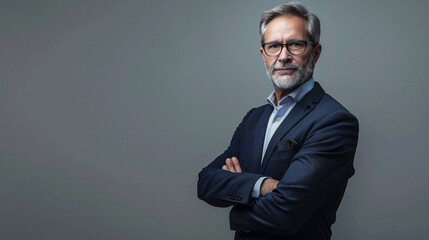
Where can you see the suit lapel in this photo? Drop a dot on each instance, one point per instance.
(301, 109)
(258, 141)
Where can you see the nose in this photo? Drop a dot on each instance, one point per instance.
(284, 56)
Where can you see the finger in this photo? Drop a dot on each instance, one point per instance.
(224, 167)
(236, 164)
(229, 164)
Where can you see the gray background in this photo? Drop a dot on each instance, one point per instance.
(109, 109)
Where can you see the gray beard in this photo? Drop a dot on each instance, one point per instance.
(288, 83)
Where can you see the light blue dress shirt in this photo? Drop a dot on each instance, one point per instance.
(279, 114)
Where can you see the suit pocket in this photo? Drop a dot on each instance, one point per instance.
(285, 145)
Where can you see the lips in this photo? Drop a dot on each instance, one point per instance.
(285, 71)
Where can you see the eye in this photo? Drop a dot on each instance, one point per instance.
(296, 44)
(274, 45)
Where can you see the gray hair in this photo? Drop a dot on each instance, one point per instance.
(294, 9)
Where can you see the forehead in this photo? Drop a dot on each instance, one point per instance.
(286, 27)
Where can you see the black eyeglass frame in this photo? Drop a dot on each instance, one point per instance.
(287, 46)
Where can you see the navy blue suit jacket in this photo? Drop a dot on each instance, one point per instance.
(311, 154)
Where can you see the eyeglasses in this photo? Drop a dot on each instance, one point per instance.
(295, 47)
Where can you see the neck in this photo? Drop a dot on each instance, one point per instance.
(279, 94)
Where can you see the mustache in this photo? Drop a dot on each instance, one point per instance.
(284, 65)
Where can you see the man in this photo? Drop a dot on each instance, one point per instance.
(288, 163)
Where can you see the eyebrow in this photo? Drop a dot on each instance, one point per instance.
(290, 40)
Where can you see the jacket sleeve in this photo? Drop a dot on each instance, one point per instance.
(221, 188)
(324, 161)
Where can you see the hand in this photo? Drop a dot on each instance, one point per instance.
(232, 165)
(268, 185)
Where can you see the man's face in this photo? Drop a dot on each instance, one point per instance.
(288, 71)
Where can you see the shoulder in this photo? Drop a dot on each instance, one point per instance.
(257, 112)
(327, 111)
(330, 102)
(329, 105)
(325, 103)
(260, 109)
(332, 116)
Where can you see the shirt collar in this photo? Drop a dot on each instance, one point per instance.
(296, 95)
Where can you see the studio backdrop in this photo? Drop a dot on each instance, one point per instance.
(109, 109)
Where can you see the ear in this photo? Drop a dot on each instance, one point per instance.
(317, 52)
(261, 51)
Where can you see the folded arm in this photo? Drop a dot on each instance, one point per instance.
(222, 183)
(324, 161)
(223, 187)
(267, 185)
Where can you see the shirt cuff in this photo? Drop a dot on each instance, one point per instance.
(256, 192)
